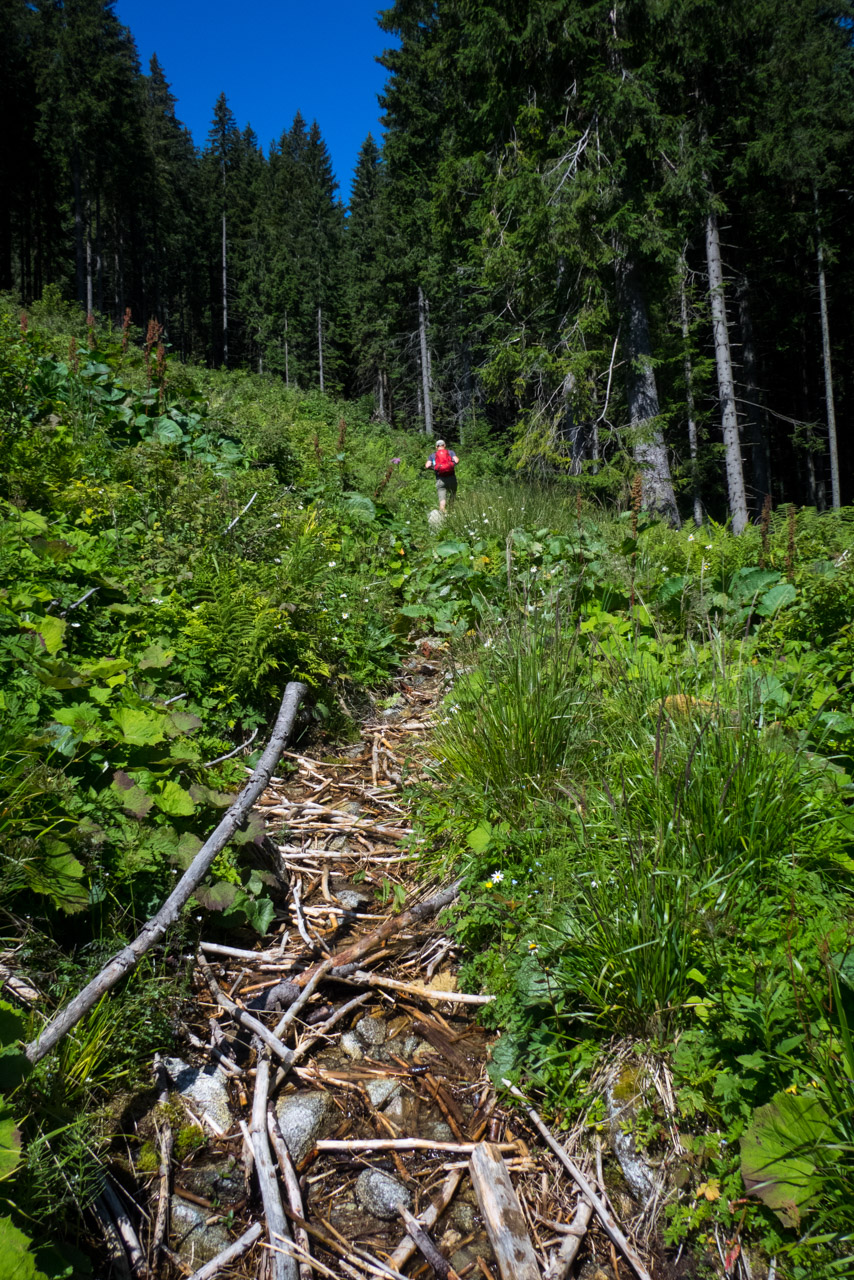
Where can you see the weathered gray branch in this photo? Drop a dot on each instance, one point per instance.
(229, 1255)
(127, 959)
(284, 1267)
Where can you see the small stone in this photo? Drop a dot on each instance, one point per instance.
(436, 1131)
(352, 807)
(403, 1110)
(350, 900)
(381, 1194)
(303, 1118)
(371, 1031)
(410, 1046)
(204, 1086)
(462, 1216)
(351, 1045)
(380, 1091)
(194, 1241)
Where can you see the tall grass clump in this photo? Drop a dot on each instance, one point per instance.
(518, 720)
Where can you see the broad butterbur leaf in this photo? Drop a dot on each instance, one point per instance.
(155, 656)
(139, 727)
(779, 1153)
(174, 800)
(50, 630)
(131, 795)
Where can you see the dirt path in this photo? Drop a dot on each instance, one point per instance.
(371, 1065)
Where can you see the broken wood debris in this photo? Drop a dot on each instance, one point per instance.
(401, 1085)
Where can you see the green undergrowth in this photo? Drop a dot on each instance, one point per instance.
(644, 762)
(644, 774)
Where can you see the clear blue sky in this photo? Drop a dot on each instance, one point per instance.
(271, 58)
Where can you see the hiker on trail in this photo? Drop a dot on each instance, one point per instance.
(443, 462)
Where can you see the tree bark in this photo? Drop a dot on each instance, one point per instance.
(79, 251)
(426, 399)
(89, 300)
(760, 465)
(828, 372)
(726, 388)
(650, 451)
(127, 959)
(224, 280)
(320, 345)
(693, 447)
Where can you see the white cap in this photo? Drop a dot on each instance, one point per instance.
(440, 444)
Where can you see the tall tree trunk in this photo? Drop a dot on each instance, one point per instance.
(79, 238)
(379, 393)
(726, 388)
(828, 372)
(99, 258)
(224, 282)
(426, 400)
(650, 451)
(320, 346)
(287, 370)
(760, 462)
(89, 299)
(693, 446)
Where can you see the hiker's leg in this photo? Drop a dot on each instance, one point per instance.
(441, 492)
(450, 487)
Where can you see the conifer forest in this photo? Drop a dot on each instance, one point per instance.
(389, 890)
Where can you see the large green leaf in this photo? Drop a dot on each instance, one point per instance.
(218, 897)
(479, 838)
(779, 1152)
(16, 1260)
(155, 656)
(174, 800)
(131, 795)
(58, 875)
(181, 722)
(777, 598)
(10, 1143)
(50, 630)
(139, 727)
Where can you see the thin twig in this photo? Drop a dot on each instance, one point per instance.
(240, 514)
(234, 1251)
(236, 752)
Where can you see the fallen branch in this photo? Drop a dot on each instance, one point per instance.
(153, 930)
(428, 1218)
(209, 764)
(361, 978)
(404, 1144)
(161, 1222)
(292, 1187)
(245, 1019)
(229, 1255)
(502, 1215)
(426, 1247)
(394, 924)
(284, 1267)
(561, 1264)
(612, 1228)
(354, 1253)
(130, 1239)
(239, 514)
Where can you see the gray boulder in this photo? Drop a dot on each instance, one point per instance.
(381, 1194)
(194, 1241)
(205, 1087)
(303, 1118)
(371, 1031)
